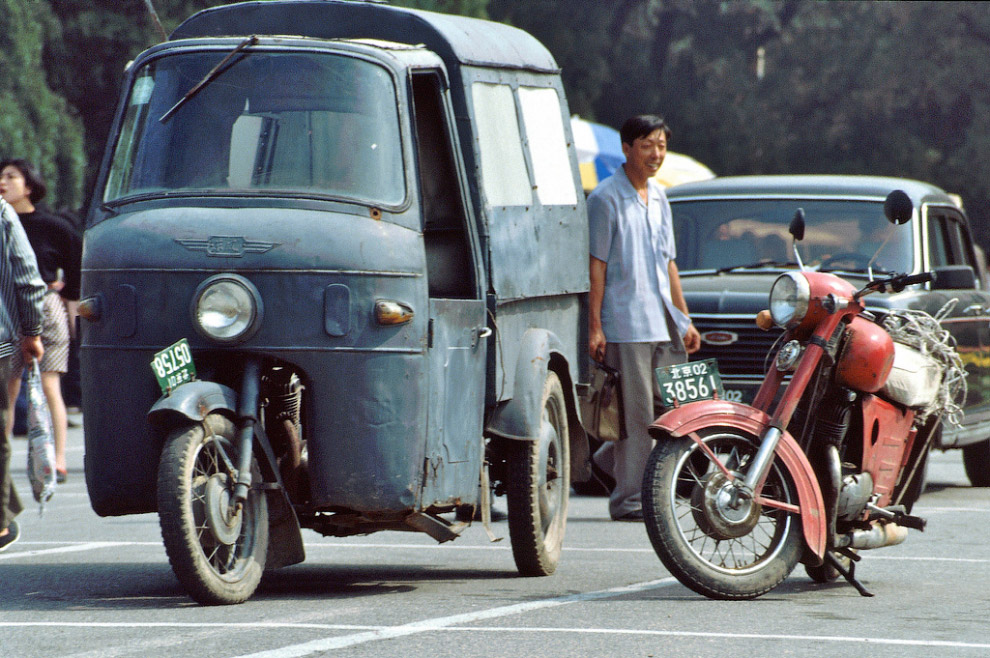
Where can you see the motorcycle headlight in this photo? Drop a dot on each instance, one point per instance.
(227, 308)
(789, 299)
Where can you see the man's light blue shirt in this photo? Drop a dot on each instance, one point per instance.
(636, 241)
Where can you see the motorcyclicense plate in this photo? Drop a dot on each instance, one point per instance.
(689, 382)
(174, 366)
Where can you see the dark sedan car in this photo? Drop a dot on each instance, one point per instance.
(733, 242)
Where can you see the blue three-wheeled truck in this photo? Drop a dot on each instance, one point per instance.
(333, 278)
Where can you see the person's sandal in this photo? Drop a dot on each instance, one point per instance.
(61, 476)
(13, 534)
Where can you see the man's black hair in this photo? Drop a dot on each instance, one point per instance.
(642, 125)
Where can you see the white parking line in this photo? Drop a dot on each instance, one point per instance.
(75, 548)
(728, 636)
(440, 623)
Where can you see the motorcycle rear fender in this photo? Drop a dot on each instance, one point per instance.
(194, 401)
(689, 418)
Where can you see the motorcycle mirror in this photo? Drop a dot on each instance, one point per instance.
(898, 207)
(797, 225)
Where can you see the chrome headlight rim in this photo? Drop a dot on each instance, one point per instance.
(248, 320)
(785, 313)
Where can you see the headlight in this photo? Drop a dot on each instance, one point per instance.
(227, 308)
(789, 299)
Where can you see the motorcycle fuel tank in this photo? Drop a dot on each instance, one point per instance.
(866, 358)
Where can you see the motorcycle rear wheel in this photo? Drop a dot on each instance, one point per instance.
(217, 555)
(714, 549)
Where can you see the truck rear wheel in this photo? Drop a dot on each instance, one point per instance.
(538, 488)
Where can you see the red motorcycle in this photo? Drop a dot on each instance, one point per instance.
(830, 457)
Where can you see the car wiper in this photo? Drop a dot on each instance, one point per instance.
(215, 73)
(864, 270)
(758, 264)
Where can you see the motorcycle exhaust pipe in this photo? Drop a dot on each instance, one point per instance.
(878, 536)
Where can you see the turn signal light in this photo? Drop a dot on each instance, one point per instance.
(389, 312)
(89, 309)
(764, 320)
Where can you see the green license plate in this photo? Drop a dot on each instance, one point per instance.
(689, 382)
(174, 366)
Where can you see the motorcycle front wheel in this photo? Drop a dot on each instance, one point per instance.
(217, 552)
(715, 544)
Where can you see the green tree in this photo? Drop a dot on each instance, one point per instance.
(36, 122)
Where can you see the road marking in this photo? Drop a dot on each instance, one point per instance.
(440, 623)
(425, 626)
(728, 636)
(75, 548)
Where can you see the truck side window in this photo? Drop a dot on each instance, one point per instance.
(449, 266)
(504, 175)
(547, 146)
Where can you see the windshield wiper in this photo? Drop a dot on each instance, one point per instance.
(758, 264)
(217, 71)
(864, 270)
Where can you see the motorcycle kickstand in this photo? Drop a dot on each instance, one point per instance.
(850, 573)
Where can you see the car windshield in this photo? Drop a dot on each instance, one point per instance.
(270, 123)
(839, 235)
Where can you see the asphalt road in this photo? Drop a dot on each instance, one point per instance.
(88, 587)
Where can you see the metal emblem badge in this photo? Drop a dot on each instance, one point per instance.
(227, 246)
(719, 338)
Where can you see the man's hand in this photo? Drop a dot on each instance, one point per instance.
(32, 348)
(692, 340)
(596, 345)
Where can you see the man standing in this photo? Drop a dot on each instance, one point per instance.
(21, 315)
(638, 319)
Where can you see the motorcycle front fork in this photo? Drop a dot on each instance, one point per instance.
(247, 417)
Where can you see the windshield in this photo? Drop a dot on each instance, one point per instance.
(839, 234)
(270, 122)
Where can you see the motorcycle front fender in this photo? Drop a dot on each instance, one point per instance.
(195, 400)
(688, 419)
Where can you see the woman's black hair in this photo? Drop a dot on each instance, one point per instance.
(32, 177)
(642, 125)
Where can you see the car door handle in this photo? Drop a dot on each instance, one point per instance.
(479, 333)
(976, 309)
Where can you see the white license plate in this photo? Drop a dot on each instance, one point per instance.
(174, 366)
(689, 382)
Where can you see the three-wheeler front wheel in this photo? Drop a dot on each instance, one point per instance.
(216, 550)
(538, 480)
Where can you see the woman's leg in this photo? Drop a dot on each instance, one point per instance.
(51, 383)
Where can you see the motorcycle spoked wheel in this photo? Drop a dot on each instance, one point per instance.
(715, 550)
(217, 555)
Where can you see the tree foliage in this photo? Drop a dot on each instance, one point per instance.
(752, 86)
(36, 122)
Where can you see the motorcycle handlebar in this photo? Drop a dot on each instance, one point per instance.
(896, 283)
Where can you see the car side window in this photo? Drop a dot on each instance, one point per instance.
(938, 241)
